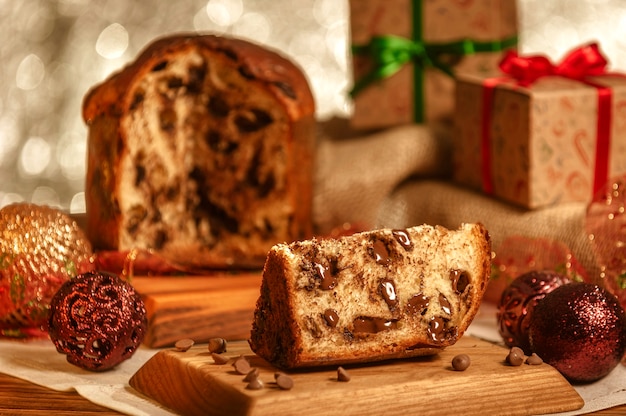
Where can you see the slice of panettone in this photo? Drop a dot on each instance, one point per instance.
(371, 296)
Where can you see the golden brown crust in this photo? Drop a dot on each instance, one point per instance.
(264, 65)
(107, 105)
(289, 329)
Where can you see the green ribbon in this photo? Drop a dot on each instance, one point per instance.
(390, 53)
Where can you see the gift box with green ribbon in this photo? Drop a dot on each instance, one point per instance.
(541, 133)
(405, 54)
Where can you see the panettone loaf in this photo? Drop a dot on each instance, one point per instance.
(201, 149)
(371, 296)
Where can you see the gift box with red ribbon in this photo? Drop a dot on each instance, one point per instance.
(541, 133)
(406, 52)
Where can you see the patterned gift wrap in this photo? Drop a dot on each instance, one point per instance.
(542, 134)
(405, 54)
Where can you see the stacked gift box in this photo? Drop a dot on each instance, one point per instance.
(526, 130)
(534, 135)
(404, 53)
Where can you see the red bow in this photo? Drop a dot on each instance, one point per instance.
(579, 63)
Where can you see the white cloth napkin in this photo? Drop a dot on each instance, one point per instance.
(40, 363)
(607, 392)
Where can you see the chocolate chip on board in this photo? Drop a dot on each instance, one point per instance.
(252, 374)
(461, 362)
(516, 357)
(184, 344)
(217, 345)
(242, 366)
(342, 374)
(534, 359)
(283, 381)
(255, 384)
(219, 359)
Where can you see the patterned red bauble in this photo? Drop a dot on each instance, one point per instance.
(518, 301)
(97, 320)
(40, 249)
(579, 329)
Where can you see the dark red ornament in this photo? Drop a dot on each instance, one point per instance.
(518, 301)
(97, 320)
(579, 329)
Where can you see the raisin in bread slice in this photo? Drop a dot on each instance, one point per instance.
(371, 296)
(202, 150)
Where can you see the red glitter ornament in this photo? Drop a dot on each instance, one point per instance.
(579, 329)
(40, 249)
(97, 320)
(605, 224)
(518, 302)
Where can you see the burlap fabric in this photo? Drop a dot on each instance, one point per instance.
(400, 177)
(356, 172)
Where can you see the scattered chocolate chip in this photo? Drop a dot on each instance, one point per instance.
(242, 366)
(516, 357)
(380, 253)
(436, 329)
(445, 304)
(255, 384)
(248, 121)
(372, 325)
(140, 174)
(246, 72)
(160, 66)
(218, 106)
(219, 359)
(229, 53)
(137, 100)
(167, 119)
(418, 304)
(460, 280)
(252, 374)
(283, 381)
(387, 290)
(135, 216)
(327, 280)
(197, 75)
(184, 344)
(310, 323)
(403, 238)
(160, 238)
(331, 317)
(286, 89)
(174, 82)
(461, 362)
(534, 359)
(217, 345)
(342, 374)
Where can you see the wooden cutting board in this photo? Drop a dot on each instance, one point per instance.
(192, 384)
(198, 307)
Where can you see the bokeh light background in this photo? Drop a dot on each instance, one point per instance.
(53, 51)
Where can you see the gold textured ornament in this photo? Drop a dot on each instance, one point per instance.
(40, 249)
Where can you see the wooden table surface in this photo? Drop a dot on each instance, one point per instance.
(19, 397)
